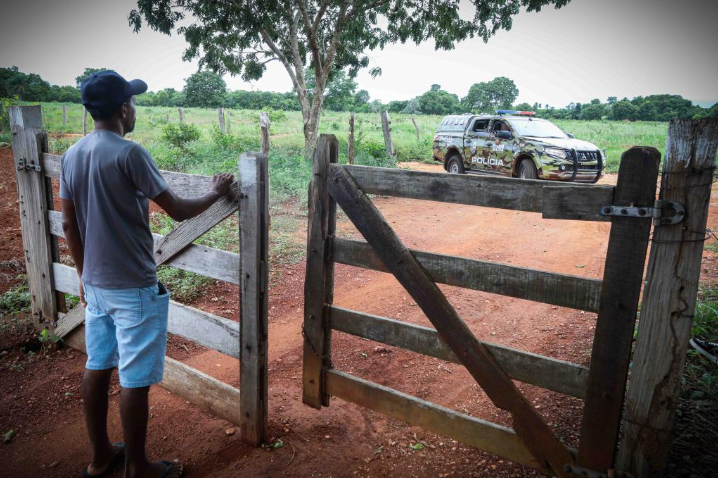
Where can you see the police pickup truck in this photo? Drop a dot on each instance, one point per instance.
(515, 144)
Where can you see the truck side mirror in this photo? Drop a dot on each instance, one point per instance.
(570, 135)
(504, 135)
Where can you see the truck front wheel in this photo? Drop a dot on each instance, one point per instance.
(455, 165)
(527, 170)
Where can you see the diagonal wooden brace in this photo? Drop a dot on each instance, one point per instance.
(188, 231)
(474, 355)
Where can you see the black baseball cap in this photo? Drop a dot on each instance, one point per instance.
(105, 91)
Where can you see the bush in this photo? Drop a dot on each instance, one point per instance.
(276, 116)
(180, 135)
(15, 300)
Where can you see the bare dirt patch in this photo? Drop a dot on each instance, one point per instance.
(41, 401)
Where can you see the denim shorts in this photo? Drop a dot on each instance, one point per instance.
(127, 329)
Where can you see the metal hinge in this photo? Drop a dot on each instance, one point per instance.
(585, 472)
(663, 212)
(23, 166)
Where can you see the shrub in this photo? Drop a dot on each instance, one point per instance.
(276, 115)
(180, 135)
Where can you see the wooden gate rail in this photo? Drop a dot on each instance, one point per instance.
(546, 372)
(246, 340)
(491, 365)
(520, 282)
(554, 201)
(472, 431)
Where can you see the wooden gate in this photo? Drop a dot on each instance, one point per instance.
(49, 280)
(615, 299)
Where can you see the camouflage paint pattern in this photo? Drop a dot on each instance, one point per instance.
(483, 151)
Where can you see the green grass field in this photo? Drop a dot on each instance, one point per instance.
(210, 154)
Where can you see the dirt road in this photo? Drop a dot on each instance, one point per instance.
(42, 405)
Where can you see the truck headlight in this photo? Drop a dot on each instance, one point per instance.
(555, 153)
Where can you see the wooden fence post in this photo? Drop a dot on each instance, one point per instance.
(620, 292)
(253, 266)
(669, 299)
(221, 119)
(319, 281)
(181, 114)
(386, 127)
(229, 116)
(2, 120)
(28, 143)
(351, 138)
(84, 121)
(264, 131)
(418, 131)
(64, 116)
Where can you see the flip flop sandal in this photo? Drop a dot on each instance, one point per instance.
(116, 460)
(170, 466)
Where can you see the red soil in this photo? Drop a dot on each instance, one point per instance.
(41, 402)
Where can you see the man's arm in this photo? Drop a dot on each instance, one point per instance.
(74, 240)
(180, 209)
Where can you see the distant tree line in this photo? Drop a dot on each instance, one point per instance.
(208, 90)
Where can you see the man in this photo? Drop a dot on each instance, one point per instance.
(105, 187)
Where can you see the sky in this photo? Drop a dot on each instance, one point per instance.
(587, 49)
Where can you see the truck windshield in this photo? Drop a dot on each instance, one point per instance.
(537, 128)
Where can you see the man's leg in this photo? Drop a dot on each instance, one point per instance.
(134, 410)
(95, 388)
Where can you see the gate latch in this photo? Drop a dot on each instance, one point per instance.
(664, 213)
(23, 166)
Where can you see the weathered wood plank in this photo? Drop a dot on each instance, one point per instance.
(70, 321)
(84, 121)
(319, 277)
(181, 114)
(486, 191)
(206, 329)
(253, 239)
(220, 114)
(523, 283)
(191, 229)
(622, 280)
(200, 389)
(553, 374)
(472, 431)
(669, 299)
(196, 387)
(204, 260)
(534, 432)
(264, 131)
(350, 152)
(386, 129)
(562, 202)
(28, 142)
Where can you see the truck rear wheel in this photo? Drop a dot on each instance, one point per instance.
(455, 165)
(527, 170)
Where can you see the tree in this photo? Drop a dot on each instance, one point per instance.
(523, 107)
(205, 89)
(435, 87)
(86, 74)
(592, 111)
(397, 106)
(241, 37)
(624, 110)
(438, 102)
(485, 97)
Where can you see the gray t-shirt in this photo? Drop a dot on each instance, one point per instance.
(110, 181)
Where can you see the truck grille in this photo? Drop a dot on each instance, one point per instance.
(588, 167)
(587, 156)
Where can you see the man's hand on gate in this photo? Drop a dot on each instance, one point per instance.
(180, 208)
(220, 183)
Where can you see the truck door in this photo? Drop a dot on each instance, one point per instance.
(475, 147)
(501, 150)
